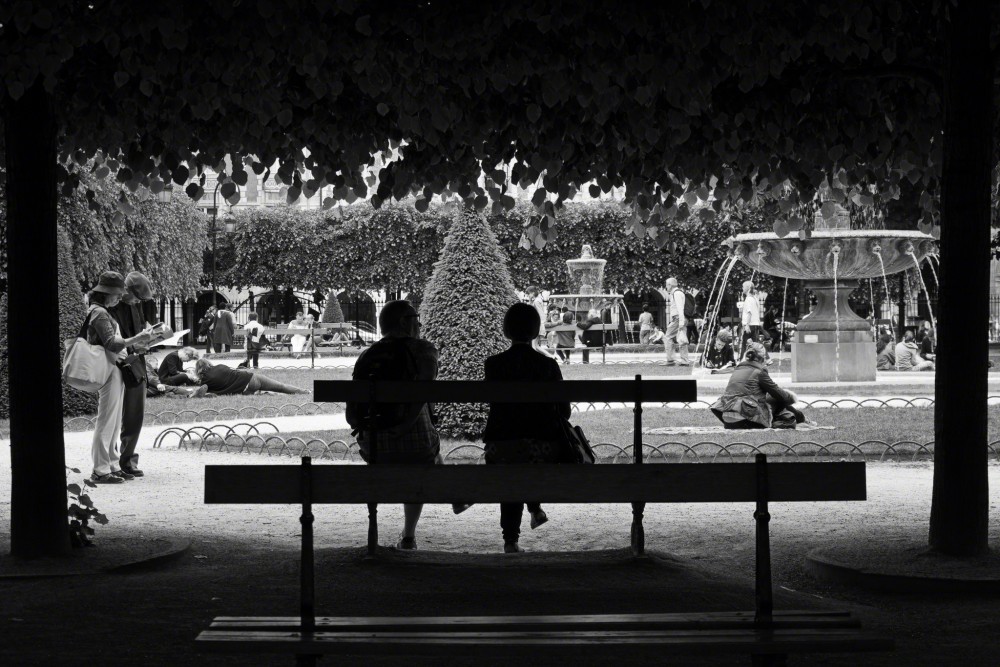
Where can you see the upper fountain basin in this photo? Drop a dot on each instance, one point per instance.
(857, 253)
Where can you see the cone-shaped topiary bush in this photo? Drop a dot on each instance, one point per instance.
(332, 312)
(71, 313)
(462, 314)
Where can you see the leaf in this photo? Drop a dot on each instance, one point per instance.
(227, 190)
(382, 108)
(364, 25)
(74, 489)
(534, 113)
(829, 210)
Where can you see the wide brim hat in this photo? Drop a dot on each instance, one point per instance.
(139, 285)
(110, 282)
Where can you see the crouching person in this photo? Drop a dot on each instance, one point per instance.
(752, 398)
(404, 431)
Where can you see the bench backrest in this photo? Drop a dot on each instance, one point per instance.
(479, 391)
(661, 483)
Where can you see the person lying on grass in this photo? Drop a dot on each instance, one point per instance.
(753, 400)
(221, 379)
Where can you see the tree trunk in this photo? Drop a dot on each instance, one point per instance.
(38, 473)
(960, 504)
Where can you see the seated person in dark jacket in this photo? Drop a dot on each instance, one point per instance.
(221, 379)
(154, 387)
(522, 433)
(753, 400)
(171, 371)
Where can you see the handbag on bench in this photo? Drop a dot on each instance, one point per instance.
(575, 446)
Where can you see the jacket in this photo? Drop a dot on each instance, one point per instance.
(907, 356)
(103, 330)
(170, 367)
(225, 380)
(886, 360)
(512, 421)
(224, 328)
(746, 395)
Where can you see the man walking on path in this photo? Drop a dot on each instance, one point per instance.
(132, 319)
(676, 337)
(751, 316)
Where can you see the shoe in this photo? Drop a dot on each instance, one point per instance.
(458, 508)
(200, 392)
(110, 478)
(124, 475)
(538, 518)
(406, 543)
(135, 472)
(512, 548)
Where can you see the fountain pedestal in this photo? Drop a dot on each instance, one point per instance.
(833, 343)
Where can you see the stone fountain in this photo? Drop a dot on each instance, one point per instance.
(586, 284)
(833, 343)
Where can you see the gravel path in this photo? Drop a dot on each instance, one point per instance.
(244, 561)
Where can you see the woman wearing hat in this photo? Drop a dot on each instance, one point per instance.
(103, 330)
(753, 400)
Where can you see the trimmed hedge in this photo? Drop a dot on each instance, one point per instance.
(462, 314)
(332, 312)
(71, 313)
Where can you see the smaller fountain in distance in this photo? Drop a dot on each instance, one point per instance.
(586, 284)
(833, 343)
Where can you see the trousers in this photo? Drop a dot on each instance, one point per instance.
(107, 429)
(133, 411)
(675, 341)
(264, 383)
(510, 519)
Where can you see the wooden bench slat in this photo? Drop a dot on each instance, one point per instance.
(661, 483)
(591, 622)
(521, 643)
(471, 391)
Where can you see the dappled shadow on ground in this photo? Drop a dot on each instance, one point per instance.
(152, 618)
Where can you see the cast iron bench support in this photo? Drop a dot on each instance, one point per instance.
(766, 635)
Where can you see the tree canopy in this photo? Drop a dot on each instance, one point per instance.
(396, 246)
(163, 239)
(697, 101)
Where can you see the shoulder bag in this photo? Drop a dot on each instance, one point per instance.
(86, 367)
(575, 446)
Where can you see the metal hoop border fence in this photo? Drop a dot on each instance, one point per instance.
(170, 417)
(224, 438)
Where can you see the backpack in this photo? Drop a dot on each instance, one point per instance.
(689, 311)
(388, 359)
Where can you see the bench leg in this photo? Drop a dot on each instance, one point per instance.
(372, 528)
(638, 534)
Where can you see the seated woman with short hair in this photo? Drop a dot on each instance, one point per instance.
(753, 400)
(222, 379)
(522, 433)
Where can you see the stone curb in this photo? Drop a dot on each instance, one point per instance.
(826, 569)
(175, 551)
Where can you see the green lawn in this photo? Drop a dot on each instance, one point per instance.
(889, 425)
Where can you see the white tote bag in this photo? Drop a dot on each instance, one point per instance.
(86, 367)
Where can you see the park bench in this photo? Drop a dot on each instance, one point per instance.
(768, 636)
